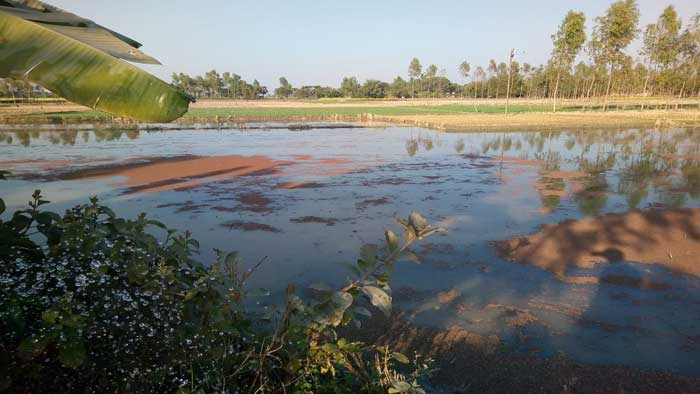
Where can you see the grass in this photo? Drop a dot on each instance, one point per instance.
(272, 112)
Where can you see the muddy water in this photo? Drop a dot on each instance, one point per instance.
(308, 198)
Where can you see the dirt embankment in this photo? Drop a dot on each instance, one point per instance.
(546, 120)
(670, 237)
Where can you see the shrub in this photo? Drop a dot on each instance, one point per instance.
(90, 302)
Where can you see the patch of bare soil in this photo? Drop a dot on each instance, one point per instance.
(373, 202)
(447, 297)
(564, 174)
(515, 317)
(315, 219)
(670, 237)
(254, 202)
(250, 226)
(169, 173)
(481, 364)
(301, 185)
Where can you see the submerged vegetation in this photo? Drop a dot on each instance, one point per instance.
(91, 302)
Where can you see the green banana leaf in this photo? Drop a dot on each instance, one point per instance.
(84, 74)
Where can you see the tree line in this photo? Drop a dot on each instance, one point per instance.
(668, 64)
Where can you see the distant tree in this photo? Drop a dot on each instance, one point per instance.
(373, 88)
(464, 70)
(232, 82)
(662, 44)
(213, 83)
(414, 72)
(349, 87)
(492, 68)
(613, 32)
(399, 88)
(568, 41)
(285, 89)
(480, 76)
(429, 76)
(690, 50)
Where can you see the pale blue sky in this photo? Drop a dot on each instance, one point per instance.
(319, 41)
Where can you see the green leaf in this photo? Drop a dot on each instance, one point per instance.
(72, 354)
(400, 358)
(49, 316)
(331, 313)
(378, 298)
(232, 259)
(417, 221)
(392, 241)
(83, 74)
(368, 254)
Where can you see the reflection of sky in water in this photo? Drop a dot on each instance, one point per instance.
(454, 179)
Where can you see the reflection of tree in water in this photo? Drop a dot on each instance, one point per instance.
(412, 147)
(551, 189)
(459, 145)
(594, 197)
(67, 137)
(428, 143)
(690, 171)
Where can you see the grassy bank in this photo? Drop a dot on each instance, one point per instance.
(439, 114)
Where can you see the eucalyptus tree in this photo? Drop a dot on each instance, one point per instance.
(613, 32)
(464, 70)
(662, 44)
(232, 82)
(690, 50)
(213, 83)
(414, 72)
(492, 68)
(568, 41)
(480, 75)
(429, 76)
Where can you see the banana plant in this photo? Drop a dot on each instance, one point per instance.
(81, 61)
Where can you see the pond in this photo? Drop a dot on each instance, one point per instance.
(306, 198)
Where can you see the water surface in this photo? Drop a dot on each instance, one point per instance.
(307, 199)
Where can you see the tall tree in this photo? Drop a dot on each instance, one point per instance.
(285, 89)
(613, 32)
(568, 41)
(662, 43)
(414, 71)
(492, 68)
(690, 49)
(464, 70)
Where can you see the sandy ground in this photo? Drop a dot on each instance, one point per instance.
(668, 237)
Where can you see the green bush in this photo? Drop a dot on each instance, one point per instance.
(90, 302)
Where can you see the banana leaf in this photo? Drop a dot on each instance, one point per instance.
(84, 74)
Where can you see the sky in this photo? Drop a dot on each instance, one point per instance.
(319, 42)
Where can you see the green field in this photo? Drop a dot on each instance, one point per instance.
(270, 112)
